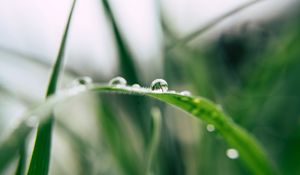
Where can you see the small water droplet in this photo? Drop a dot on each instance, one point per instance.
(186, 93)
(82, 81)
(232, 153)
(136, 85)
(117, 81)
(159, 85)
(210, 128)
(32, 121)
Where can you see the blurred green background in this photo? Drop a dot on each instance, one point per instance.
(249, 63)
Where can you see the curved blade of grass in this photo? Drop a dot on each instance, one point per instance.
(156, 129)
(251, 153)
(126, 61)
(210, 25)
(41, 154)
(248, 147)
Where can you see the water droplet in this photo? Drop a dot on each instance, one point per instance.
(117, 81)
(210, 128)
(32, 121)
(173, 92)
(232, 153)
(159, 85)
(136, 85)
(82, 81)
(85, 80)
(186, 93)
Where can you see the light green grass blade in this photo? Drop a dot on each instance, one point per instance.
(251, 153)
(211, 24)
(156, 131)
(41, 154)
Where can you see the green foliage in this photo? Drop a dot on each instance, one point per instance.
(259, 91)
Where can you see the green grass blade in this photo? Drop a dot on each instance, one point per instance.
(210, 25)
(248, 147)
(250, 151)
(156, 129)
(127, 66)
(22, 160)
(41, 154)
(57, 69)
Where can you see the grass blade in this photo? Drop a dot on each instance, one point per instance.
(22, 160)
(41, 154)
(248, 147)
(210, 25)
(57, 69)
(156, 129)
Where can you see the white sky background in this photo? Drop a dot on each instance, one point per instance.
(35, 27)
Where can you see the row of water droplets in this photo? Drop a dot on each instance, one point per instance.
(157, 85)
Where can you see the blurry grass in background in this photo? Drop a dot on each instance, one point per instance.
(251, 70)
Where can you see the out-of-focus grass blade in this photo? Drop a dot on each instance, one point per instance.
(210, 25)
(156, 129)
(22, 160)
(39, 61)
(126, 61)
(250, 151)
(113, 130)
(41, 154)
(12, 144)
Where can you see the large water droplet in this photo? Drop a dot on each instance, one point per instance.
(159, 85)
(186, 93)
(82, 81)
(210, 128)
(117, 81)
(232, 153)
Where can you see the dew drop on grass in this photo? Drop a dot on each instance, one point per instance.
(210, 128)
(186, 93)
(159, 85)
(117, 81)
(85, 80)
(232, 153)
(136, 85)
(82, 81)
